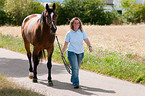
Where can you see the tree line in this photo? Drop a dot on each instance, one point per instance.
(12, 12)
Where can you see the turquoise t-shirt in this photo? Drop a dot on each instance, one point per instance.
(76, 41)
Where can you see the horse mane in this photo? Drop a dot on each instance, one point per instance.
(42, 17)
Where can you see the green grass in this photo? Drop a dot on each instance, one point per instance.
(9, 42)
(102, 61)
(8, 88)
(114, 64)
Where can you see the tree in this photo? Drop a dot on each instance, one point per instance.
(18, 9)
(140, 13)
(2, 2)
(3, 14)
(89, 11)
(95, 11)
(129, 7)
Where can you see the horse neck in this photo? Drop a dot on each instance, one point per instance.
(46, 32)
(45, 28)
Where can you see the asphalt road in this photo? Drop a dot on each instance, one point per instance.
(15, 66)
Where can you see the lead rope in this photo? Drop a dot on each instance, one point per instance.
(67, 66)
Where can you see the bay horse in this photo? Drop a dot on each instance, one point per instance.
(39, 30)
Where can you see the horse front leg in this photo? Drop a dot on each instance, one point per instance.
(49, 66)
(36, 62)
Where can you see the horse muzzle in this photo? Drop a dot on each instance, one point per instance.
(53, 29)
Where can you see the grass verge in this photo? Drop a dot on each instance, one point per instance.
(8, 88)
(114, 64)
(101, 61)
(12, 43)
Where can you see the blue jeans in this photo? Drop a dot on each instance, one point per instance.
(75, 62)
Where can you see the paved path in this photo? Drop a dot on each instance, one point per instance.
(15, 65)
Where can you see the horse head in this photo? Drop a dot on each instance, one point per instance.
(49, 17)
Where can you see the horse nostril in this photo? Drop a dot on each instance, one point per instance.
(53, 29)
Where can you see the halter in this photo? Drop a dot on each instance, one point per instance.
(51, 21)
(53, 24)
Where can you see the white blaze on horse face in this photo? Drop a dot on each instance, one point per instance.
(52, 19)
(52, 15)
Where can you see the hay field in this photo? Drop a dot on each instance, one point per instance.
(122, 38)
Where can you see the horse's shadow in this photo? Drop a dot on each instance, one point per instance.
(83, 90)
(19, 68)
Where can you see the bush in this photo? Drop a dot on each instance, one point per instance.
(135, 13)
(94, 12)
(139, 15)
(3, 17)
(69, 9)
(113, 17)
(19, 9)
(89, 11)
(62, 14)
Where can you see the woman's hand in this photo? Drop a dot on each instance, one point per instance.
(64, 47)
(62, 54)
(89, 44)
(90, 49)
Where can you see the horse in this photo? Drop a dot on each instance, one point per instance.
(39, 30)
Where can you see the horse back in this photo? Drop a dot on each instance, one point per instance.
(28, 18)
(29, 25)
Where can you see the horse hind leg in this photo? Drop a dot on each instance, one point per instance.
(36, 62)
(27, 47)
(30, 66)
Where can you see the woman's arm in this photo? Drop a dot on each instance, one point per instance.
(88, 44)
(64, 47)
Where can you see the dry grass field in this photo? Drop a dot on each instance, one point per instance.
(122, 38)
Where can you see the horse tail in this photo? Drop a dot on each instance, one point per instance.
(42, 54)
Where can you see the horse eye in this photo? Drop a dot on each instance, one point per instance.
(55, 14)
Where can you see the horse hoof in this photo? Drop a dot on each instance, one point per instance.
(35, 80)
(30, 75)
(50, 83)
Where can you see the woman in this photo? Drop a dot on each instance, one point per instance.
(75, 52)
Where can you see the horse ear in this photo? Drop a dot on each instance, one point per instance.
(47, 7)
(54, 6)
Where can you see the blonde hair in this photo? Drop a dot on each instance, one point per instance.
(72, 21)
